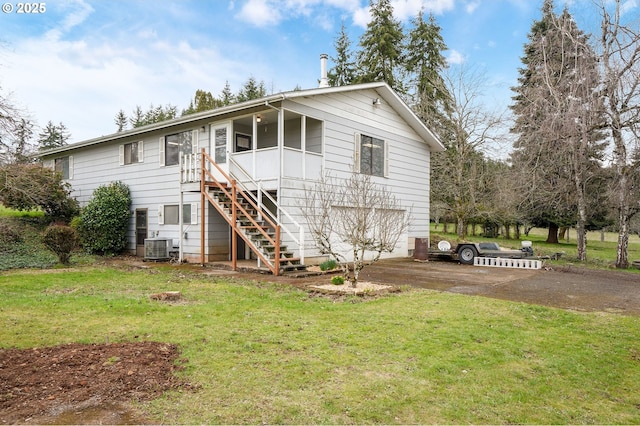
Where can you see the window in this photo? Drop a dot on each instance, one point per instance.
(171, 146)
(188, 212)
(371, 156)
(131, 153)
(64, 166)
(168, 214)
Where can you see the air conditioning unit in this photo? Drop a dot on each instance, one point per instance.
(157, 248)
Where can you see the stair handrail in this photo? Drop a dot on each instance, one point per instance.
(298, 240)
(275, 269)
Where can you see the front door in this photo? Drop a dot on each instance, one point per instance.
(220, 141)
(141, 231)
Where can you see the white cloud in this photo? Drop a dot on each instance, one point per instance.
(83, 83)
(472, 6)
(455, 57)
(260, 13)
(361, 17)
(81, 11)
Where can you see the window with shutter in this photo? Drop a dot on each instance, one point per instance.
(131, 153)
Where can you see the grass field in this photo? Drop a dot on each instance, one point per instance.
(266, 353)
(599, 253)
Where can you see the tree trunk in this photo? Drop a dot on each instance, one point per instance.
(622, 251)
(581, 231)
(552, 236)
(461, 228)
(562, 233)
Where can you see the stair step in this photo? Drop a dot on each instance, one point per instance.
(293, 268)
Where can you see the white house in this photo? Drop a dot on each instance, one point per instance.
(262, 153)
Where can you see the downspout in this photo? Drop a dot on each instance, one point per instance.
(180, 208)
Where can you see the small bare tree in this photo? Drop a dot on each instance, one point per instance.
(354, 221)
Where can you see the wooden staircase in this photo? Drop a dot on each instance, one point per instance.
(248, 221)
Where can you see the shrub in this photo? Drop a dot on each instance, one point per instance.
(328, 265)
(337, 280)
(61, 240)
(31, 187)
(8, 236)
(104, 221)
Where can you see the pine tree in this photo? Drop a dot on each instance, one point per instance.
(226, 96)
(53, 136)
(425, 64)
(23, 134)
(382, 44)
(251, 90)
(557, 119)
(343, 71)
(121, 121)
(137, 118)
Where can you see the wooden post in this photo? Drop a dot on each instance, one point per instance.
(277, 252)
(234, 224)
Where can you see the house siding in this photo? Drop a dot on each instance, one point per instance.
(343, 114)
(150, 184)
(409, 156)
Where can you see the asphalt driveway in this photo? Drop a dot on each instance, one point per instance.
(572, 288)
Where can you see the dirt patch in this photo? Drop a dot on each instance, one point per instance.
(75, 383)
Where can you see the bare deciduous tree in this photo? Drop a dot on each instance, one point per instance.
(620, 60)
(354, 221)
(470, 128)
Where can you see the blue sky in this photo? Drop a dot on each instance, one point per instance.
(81, 61)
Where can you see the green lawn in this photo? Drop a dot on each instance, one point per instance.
(265, 353)
(7, 212)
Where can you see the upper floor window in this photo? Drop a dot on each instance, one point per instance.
(132, 153)
(371, 156)
(64, 166)
(171, 146)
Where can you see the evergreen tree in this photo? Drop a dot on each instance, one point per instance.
(343, 72)
(121, 121)
(137, 118)
(425, 64)
(154, 114)
(226, 96)
(382, 44)
(23, 134)
(53, 136)
(251, 90)
(556, 119)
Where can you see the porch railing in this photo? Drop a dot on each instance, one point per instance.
(232, 191)
(257, 198)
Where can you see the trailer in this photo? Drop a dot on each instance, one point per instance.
(467, 252)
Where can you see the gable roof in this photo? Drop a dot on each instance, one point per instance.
(383, 90)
